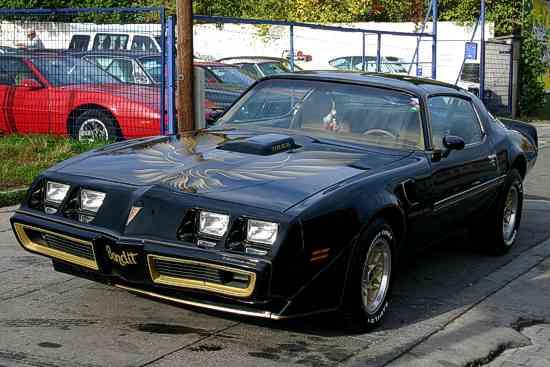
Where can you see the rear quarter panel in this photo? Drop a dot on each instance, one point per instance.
(135, 119)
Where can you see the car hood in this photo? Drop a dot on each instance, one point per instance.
(195, 164)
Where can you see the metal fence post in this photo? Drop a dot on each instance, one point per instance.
(434, 39)
(482, 53)
(291, 48)
(199, 95)
(378, 55)
(363, 59)
(171, 74)
(514, 75)
(418, 39)
(162, 15)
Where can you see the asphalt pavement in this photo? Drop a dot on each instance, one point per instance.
(454, 307)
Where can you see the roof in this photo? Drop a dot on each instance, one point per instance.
(212, 63)
(116, 53)
(253, 59)
(418, 86)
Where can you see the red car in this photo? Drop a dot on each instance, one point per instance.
(54, 94)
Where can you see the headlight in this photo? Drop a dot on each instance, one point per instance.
(56, 192)
(261, 232)
(91, 200)
(213, 224)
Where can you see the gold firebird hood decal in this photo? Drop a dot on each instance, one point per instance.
(196, 165)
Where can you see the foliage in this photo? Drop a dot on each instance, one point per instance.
(532, 64)
(23, 157)
(532, 69)
(507, 15)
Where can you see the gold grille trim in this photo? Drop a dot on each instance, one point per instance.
(158, 278)
(29, 244)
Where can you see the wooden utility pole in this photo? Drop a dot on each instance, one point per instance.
(184, 100)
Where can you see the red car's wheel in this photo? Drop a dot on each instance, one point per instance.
(94, 125)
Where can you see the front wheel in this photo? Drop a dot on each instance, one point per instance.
(368, 289)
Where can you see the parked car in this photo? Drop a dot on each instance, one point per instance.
(115, 41)
(54, 94)
(388, 64)
(304, 198)
(260, 66)
(230, 76)
(145, 68)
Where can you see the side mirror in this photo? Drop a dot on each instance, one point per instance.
(31, 84)
(452, 142)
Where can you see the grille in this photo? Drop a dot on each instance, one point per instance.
(192, 274)
(189, 271)
(58, 246)
(64, 245)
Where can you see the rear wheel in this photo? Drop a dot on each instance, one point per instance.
(498, 232)
(368, 289)
(94, 125)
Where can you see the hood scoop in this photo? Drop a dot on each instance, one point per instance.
(266, 144)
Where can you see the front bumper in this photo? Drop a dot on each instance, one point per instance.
(168, 271)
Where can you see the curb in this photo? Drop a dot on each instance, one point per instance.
(497, 280)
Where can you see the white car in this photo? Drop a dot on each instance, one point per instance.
(115, 41)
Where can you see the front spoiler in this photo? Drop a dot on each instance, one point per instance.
(258, 304)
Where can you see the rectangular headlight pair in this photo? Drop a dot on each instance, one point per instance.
(90, 200)
(257, 231)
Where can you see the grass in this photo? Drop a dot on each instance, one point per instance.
(23, 157)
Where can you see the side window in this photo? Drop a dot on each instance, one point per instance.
(342, 63)
(142, 43)
(357, 63)
(105, 41)
(453, 116)
(13, 71)
(79, 43)
(122, 69)
(251, 70)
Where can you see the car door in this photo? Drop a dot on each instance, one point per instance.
(6, 95)
(461, 179)
(27, 105)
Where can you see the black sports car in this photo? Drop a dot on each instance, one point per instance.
(303, 198)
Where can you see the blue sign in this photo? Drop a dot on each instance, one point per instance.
(418, 71)
(470, 52)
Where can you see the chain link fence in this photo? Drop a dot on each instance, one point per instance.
(85, 73)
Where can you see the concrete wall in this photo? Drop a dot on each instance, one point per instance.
(216, 41)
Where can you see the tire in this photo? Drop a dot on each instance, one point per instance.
(361, 310)
(94, 125)
(498, 231)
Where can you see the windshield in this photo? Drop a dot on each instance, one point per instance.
(331, 110)
(152, 66)
(61, 71)
(270, 68)
(231, 75)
